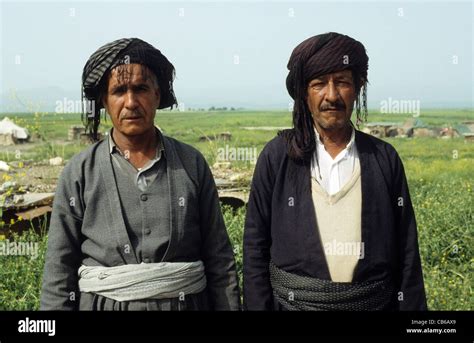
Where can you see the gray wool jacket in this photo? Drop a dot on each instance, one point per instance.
(87, 227)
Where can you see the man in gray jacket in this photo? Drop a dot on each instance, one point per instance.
(136, 222)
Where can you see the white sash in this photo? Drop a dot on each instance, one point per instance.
(144, 281)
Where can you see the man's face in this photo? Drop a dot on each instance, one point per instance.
(131, 99)
(331, 99)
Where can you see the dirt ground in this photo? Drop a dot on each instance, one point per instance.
(40, 177)
(30, 174)
(34, 178)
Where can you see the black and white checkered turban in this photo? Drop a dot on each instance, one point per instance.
(125, 51)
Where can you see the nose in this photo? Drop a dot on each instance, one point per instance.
(332, 93)
(131, 100)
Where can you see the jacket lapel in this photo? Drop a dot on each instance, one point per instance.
(171, 169)
(114, 210)
(368, 190)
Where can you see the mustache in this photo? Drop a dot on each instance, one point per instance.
(338, 106)
(133, 114)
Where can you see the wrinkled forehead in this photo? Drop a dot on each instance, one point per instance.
(341, 74)
(131, 73)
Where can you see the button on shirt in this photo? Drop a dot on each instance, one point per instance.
(333, 174)
(142, 177)
(145, 201)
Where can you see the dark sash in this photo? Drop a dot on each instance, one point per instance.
(303, 293)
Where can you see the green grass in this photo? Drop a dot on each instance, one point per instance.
(440, 174)
(445, 216)
(189, 126)
(21, 276)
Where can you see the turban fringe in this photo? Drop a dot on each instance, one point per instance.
(316, 56)
(111, 55)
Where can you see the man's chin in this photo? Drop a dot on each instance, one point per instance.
(332, 120)
(334, 125)
(132, 131)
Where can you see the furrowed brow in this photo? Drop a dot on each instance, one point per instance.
(119, 88)
(140, 85)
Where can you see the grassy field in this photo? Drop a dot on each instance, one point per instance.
(440, 174)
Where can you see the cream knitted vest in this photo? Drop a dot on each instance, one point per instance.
(338, 218)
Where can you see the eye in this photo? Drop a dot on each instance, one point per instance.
(118, 90)
(141, 88)
(317, 85)
(345, 83)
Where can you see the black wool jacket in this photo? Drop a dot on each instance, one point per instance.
(288, 235)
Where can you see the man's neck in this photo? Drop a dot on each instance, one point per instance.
(334, 140)
(137, 149)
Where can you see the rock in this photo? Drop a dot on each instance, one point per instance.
(8, 185)
(56, 161)
(4, 166)
(237, 176)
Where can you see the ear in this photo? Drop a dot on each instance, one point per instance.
(158, 96)
(104, 90)
(104, 104)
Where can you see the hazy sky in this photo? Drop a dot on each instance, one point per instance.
(234, 53)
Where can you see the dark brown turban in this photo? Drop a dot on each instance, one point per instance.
(319, 55)
(323, 54)
(111, 55)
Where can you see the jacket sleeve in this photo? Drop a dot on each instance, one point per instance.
(217, 252)
(60, 289)
(258, 295)
(411, 296)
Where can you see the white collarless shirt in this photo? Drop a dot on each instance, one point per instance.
(333, 174)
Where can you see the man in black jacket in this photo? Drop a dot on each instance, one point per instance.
(330, 224)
